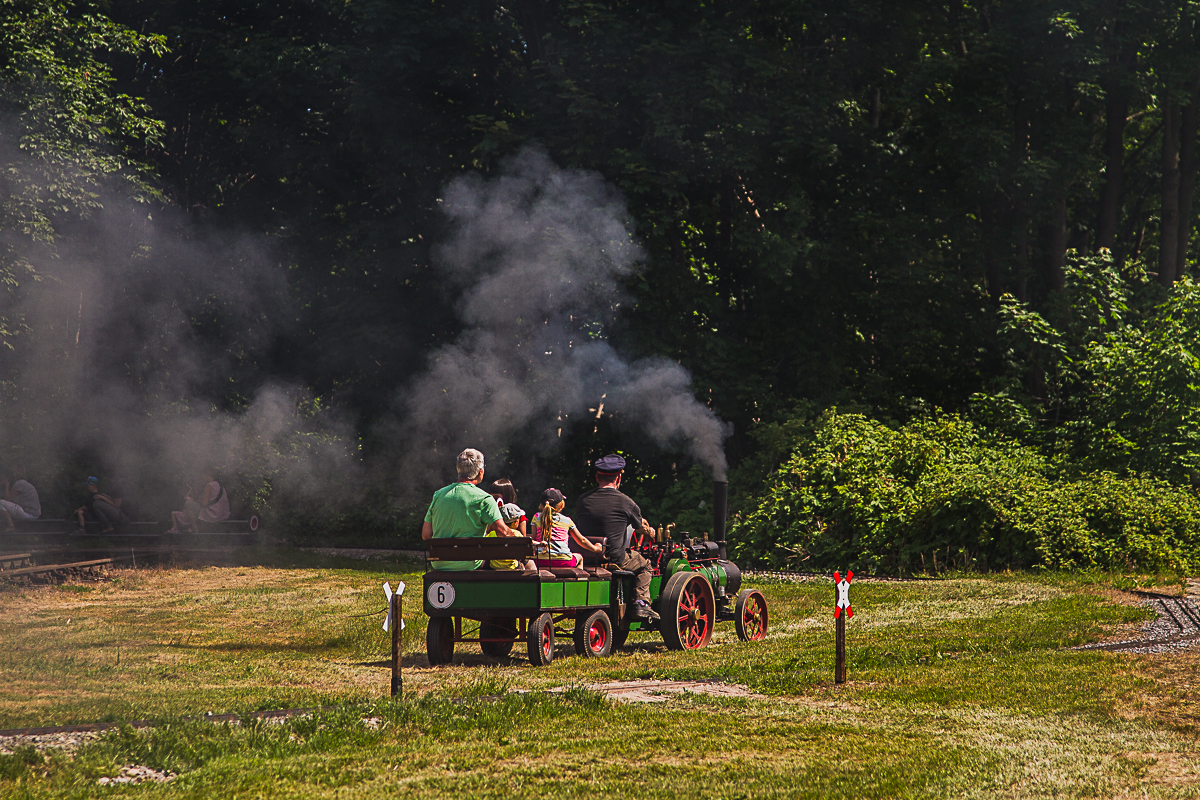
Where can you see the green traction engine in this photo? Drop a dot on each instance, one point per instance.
(693, 588)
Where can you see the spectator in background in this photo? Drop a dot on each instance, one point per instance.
(212, 505)
(103, 507)
(20, 500)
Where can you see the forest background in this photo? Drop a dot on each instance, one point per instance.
(932, 264)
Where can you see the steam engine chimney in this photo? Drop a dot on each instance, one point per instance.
(720, 506)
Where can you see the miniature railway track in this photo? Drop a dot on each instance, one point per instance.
(804, 577)
(48, 571)
(1177, 627)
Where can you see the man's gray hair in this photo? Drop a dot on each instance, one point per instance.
(470, 464)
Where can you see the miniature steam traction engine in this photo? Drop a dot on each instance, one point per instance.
(693, 588)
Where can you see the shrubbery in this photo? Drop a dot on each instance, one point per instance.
(940, 492)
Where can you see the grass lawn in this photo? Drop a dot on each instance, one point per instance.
(958, 687)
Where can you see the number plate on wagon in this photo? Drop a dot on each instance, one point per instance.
(440, 594)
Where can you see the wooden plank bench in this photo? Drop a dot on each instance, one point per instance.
(478, 548)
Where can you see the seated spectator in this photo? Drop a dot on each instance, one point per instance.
(20, 500)
(514, 517)
(551, 529)
(463, 509)
(103, 507)
(212, 505)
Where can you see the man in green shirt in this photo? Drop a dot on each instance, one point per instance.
(463, 509)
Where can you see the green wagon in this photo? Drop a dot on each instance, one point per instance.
(693, 588)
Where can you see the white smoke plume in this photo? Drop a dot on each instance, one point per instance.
(539, 254)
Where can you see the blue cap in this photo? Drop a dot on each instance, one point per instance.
(93, 479)
(610, 464)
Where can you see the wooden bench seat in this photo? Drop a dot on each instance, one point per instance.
(478, 548)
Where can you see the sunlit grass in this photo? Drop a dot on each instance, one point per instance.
(959, 686)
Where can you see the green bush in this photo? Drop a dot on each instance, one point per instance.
(941, 493)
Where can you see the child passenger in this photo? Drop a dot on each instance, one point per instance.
(553, 528)
(514, 517)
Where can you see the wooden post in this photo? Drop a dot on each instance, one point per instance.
(839, 666)
(397, 644)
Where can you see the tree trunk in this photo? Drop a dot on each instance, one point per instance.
(1168, 243)
(1116, 113)
(993, 217)
(1021, 287)
(1188, 163)
(1057, 244)
(1116, 109)
(530, 18)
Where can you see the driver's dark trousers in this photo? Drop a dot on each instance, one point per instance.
(642, 570)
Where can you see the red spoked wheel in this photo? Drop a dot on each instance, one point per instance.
(541, 640)
(594, 635)
(688, 610)
(751, 615)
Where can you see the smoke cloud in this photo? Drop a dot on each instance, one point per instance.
(138, 354)
(538, 255)
(144, 351)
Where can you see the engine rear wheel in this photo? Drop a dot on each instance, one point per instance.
(689, 610)
(593, 635)
(498, 628)
(439, 641)
(751, 616)
(541, 640)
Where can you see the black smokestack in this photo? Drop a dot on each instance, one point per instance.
(720, 505)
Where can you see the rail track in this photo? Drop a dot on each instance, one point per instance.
(1177, 626)
(805, 577)
(55, 564)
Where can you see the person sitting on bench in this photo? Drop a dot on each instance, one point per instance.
(553, 529)
(104, 508)
(607, 513)
(20, 500)
(213, 505)
(462, 509)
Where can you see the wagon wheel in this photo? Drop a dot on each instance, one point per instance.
(688, 610)
(751, 615)
(541, 640)
(594, 635)
(494, 629)
(439, 640)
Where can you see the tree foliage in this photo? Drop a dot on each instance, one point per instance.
(897, 207)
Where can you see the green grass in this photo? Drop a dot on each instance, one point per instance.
(959, 687)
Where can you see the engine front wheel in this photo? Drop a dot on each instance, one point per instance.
(541, 640)
(751, 615)
(689, 610)
(439, 641)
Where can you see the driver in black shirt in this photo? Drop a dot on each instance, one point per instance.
(606, 512)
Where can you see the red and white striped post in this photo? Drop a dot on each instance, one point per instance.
(841, 591)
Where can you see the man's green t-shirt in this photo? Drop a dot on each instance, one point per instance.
(460, 509)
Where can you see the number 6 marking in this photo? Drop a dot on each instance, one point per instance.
(440, 594)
